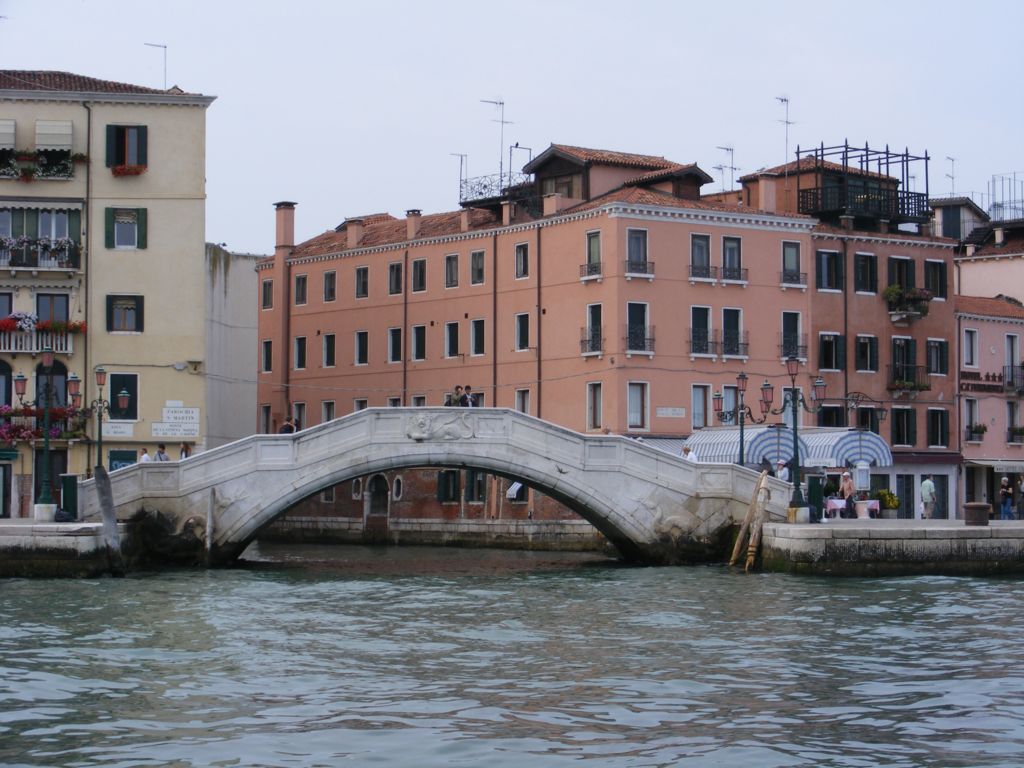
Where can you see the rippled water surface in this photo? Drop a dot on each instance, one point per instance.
(415, 657)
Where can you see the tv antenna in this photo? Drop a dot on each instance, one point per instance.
(952, 174)
(463, 167)
(161, 45)
(731, 166)
(500, 104)
(784, 101)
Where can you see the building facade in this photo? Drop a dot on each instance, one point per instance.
(102, 200)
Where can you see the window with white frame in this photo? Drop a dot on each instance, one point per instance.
(476, 267)
(299, 295)
(362, 282)
(329, 356)
(937, 356)
(593, 253)
(594, 405)
(971, 417)
(299, 353)
(326, 411)
(522, 331)
(831, 352)
(700, 398)
(476, 337)
(267, 294)
(637, 405)
(700, 257)
(394, 345)
(451, 270)
(394, 278)
(330, 286)
(636, 250)
(266, 356)
(451, 339)
(732, 259)
(360, 404)
(299, 414)
(867, 353)
(970, 348)
(361, 348)
(523, 400)
(791, 274)
(264, 419)
(419, 275)
(419, 342)
(419, 401)
(938, 428)
(829, 271)
(394, 402)
(522, 260)
(126, 228)
(1011, 346)
(904, 426)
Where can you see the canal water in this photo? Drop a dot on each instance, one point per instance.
(327, 656)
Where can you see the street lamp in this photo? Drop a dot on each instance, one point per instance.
(740, 412)
(100, 405)
(47, 393)
(794, 400)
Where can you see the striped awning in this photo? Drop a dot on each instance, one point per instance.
(819, 446)
(774, 445)
(859, 445)
(6, 134)
(721, 445)
(53, 134)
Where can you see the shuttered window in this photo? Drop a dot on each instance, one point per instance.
(126, 228)
(125, 314)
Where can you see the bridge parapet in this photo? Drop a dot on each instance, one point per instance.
(652, 505)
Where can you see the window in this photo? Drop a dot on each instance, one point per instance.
(593, 334)
(6, 223)
(476, 486)
(522, 331)
(419, 342)
(700, 256)
(938, 356)
(125, 228)
(733, 342)
(300, 290)
(299, 353)
(330, 286)
(127, 145)
(1013, 422)
(52, 307)
(394, 345)
(6, 303)
(394, 402)
(267, 356)
(636, 249)
(938, 428)
(360, 404)
(904, 426)
(476, 267)
(127, 382)
(419, 401)
(567, 186)
(831, 352)
(394, 278)
(357, 485)
(327, 495)
(732, 262)
(638, 338)
(124, 314)
(699, 398)
(451, 339)
(867, 353)
(593, 253)
(867, 418)
(830, 271)
(419, 275)
(594, 405)
(865, 272)
(971, 416)
(448, 481)
(362, 347)
(700, 331)
(935, 278)
(264, 419)
(396, 493)
(832, 416)
(267, 299)
(451, 270)
(362, 282)
(901, 272)
(299, 414)
(326, 411)
(1011, 345)
(970, 348)
(329, 350)
(522, 260)
(523, 400)
(793, 344)
(53, 225)
(637, 405)
(476, 337)
(791, 264)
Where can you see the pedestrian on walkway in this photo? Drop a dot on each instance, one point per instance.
(161, 453)
(928, 497)
(1005, 500)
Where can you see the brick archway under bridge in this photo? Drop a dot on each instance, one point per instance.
(652, 506)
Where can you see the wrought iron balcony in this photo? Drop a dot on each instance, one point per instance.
(793, 345)
(643, 267)
(1015, 435)
(639, 338)
(1013, 378)
(891, 204)
(35, 257)
(908, 378)
(34, 342)
(793, 277)
(736, 343)
(738, 274)
(703, 272)
(590, 269)
(492, 186)
(591, 340)
(703, 342)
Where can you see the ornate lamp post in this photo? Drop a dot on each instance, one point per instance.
(100, 405)
(794, 400)
(47, 395)
(740, 412)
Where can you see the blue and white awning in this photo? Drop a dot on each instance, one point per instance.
(819, 446)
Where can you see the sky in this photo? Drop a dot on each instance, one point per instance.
(353, 108)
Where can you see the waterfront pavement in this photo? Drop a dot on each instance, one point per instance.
(32, 548)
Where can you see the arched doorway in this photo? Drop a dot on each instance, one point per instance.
(375, 528)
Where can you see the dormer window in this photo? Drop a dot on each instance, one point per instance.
(567, 186)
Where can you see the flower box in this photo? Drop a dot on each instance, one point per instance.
(128, 170)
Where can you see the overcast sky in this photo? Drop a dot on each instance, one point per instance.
(354, 108)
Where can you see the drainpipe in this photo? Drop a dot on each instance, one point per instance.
(540, 312)
(494, 319)
(846, 328)
(405, 327)
(83, 256)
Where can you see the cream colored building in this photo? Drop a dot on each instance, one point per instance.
(102, 223)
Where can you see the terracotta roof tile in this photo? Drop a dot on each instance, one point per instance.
(829, 229)
(387, 230)
(643, 196)
(666, 173)
(608, 157)
(44, 80)
(807, 164)
(996, 307)
(1013, 243)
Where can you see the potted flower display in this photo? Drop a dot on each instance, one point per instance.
(128, 170)
(888, 502)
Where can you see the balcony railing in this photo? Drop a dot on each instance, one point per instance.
(737, 274)
(793, 345)
(703, 272)
(793, 277)
(908, 378)
(736, 343)
(1015, 435)
(33, 342)
(492, 186)
(892, 204)
(32, 257)
(974, 435)
(639, 338)
(590, 269)
(1013, 378)
(638, 267)
(703, 342)
(591, 340)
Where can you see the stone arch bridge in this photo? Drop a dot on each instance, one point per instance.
(654, 507)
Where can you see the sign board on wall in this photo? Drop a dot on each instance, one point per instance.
(118, 429)
(175, 429)
(670, 413)
(181, 415)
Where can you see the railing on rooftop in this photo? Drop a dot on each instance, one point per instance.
(892, 204)
(492, 186)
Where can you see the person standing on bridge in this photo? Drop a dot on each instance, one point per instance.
(145, 456)
(467, 398)
(782, 471)
(288, 427)
(161, 453)
(689, 454)
(456, 397)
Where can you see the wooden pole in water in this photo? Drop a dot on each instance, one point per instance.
(741, 538)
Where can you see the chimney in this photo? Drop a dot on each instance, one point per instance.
(925, 229)
(971, 248)
(354, 227)
(508, 212)
(1000, 234)
(464, 220)
(883, 226)
(846, 222)
(284, 221)
(412, 223)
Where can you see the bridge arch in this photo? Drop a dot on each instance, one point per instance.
(651, 505)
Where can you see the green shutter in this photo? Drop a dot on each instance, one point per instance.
(140, 313)
(892, 271)
(143, 133)
(840, 272)
(841, 344)
(75, 226)
(141, 235)
(440, 486)
(942, 281)
(110, 313)
(17, 222)
(911, 351)
(912, 427)
(108, 227)
(111, 147)
(911, 273)
(32, 222)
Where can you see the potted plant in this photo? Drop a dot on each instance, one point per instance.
(27, 174)
(887, 501)
(978, 429)
(79, 157)
(893, 294)
(128, 170)
(26, 155)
